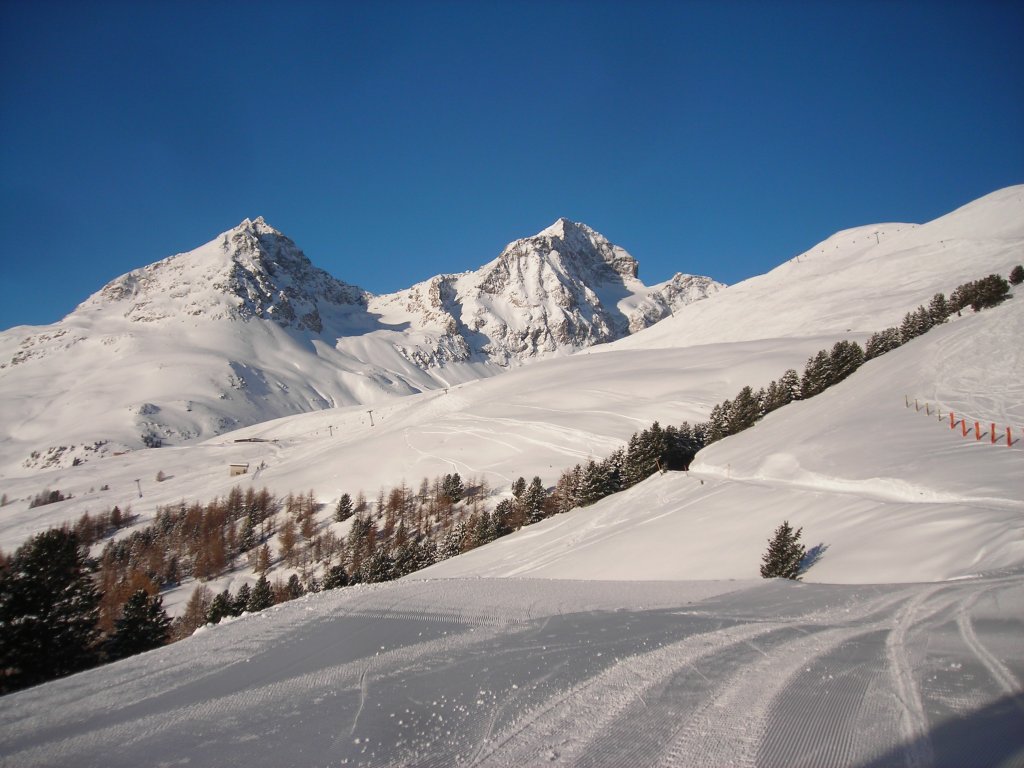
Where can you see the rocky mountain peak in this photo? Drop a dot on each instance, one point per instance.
(579, 244)
(249, 271)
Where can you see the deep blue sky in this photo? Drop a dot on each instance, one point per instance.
(394, 141)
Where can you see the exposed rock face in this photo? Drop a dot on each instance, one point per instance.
(561, 290)
(249, 271)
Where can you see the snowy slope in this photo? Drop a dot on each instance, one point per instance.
(245, 329)
(516, 673)
(866, 477)
(857, 281)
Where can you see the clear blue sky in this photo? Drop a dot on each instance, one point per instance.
(394, 141)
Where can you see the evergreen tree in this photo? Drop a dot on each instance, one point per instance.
(262, 597)
(343, 511)
(426, 554)
(335, 578)
(595, 485)
(789, 385)
(519, 487)
(483, 529)
(221, 606)
(533, 500)
(784, 554)
(452, 487)
(1017, 275)
(143, 625)
(817, 374)
(49, 608)
(241, 601)
(774, 398)
(881, 342)
(294, 587)
(378, 567)
(846, 357)
(989, 291)
(502, 519)
(451, 545)
(246, 535)
(963, 296)
(938, 309)
(404, 559)
(744, 411)
(718, 422)
(613, 467)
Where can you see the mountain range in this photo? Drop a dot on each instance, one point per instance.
(245, 328)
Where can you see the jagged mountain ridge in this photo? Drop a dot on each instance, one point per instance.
(563, 289)
(245, 328)
(254, 271)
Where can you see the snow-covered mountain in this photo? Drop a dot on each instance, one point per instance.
(245, 328)
(559, 291)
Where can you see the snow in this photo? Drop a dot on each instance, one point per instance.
(635, 631)
(524, 672)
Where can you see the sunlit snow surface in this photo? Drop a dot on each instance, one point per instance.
(585, 639)
(502, 672)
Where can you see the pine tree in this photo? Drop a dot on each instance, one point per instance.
(378, 567)
(451, 545)
(241, 601)
(595, 485)
(790, 385)
(335, 578)
(294, 587)
(989, 291)
(452, 487)
(846, 357)
(533, 501)
(938, 309)
(143, 625)
(49, 608)
(343, 511)
(221, 606)
(817, 374)
(1017, 275)
(784, 554)
(262, 597)
(881, 342)
(744, 411)
(502, 519)
(963, 296)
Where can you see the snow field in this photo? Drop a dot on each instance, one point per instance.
(528, 672)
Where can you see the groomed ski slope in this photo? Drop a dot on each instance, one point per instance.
(520, 672)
